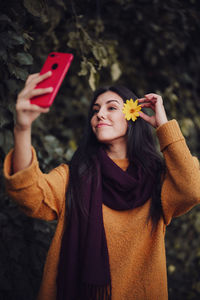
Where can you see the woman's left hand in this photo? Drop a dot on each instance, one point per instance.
(155, 103)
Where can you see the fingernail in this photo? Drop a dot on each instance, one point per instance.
(50, 89)
(49, 73)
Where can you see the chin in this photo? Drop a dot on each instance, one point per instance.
(105, 139)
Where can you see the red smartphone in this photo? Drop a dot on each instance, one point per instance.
(58, 63)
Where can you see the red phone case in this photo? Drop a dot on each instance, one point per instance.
(59, 64)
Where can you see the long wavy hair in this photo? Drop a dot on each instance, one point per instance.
(140, 146)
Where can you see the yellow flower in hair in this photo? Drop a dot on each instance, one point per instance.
(131, 110)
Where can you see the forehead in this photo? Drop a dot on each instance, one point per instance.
(107, 96)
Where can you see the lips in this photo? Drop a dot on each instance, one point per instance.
(102, 125)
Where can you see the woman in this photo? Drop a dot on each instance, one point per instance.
(112, 203)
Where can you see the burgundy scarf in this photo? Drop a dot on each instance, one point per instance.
(83, 270)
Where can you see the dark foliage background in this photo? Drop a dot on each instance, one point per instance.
(148, 45)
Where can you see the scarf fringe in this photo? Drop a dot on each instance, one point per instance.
(92, 292)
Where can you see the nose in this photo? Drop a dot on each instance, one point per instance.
(101, 114)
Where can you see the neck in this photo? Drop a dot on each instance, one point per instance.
(117, 151)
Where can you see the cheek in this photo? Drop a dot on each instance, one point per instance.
(92, 121)
(93, 124)
(125, 127)
(123, 124)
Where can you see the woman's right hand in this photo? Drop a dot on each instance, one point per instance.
(26, 112)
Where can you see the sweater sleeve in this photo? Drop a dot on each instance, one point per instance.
(38, 194)
(181, 185)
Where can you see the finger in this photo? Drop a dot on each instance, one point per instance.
(140, 100)
(143, 100)
(152, 96)
(42, 77)
(39, 109)
(27, 106)
(148, 105)
(30, 92)
(36, 78)
(145, 116)
(31, 77)
(28, 82)
(23, 105)
(150, 120)
(37, 92)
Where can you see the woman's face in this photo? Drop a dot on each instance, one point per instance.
(108, 121)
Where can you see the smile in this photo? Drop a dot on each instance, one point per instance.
(102, 125)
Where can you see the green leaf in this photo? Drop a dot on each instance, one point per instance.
(12, 85)
(115, 71)
(92, 77)
(5, 18)
(34, 7)
(99, 52)
(6, 117)
(186, 126)
(10, 39)
(14, 39)
(73, 39)
(24, 58)
(84, 68)
(18, 72)
(3, 53)
(6, 140)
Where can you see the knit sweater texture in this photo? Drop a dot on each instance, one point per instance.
(137, 257)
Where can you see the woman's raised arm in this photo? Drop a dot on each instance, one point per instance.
(26, 113)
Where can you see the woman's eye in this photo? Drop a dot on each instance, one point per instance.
(112, 108)
(95, 111)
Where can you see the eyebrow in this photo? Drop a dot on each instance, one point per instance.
(107, 102)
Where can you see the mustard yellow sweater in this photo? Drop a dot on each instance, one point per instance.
(137, 259)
